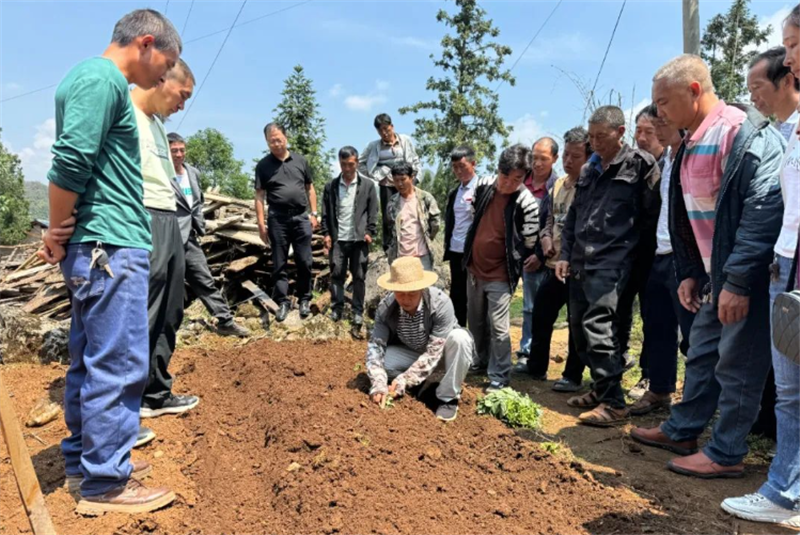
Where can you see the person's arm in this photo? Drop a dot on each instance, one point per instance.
(312, 201)
(376, 351)
(262, 225)
(568, 232)
(62, 203)
(323, 224)
(434, 217)
(372, 211)
(362, 161)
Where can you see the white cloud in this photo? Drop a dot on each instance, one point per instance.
(36, 157)
(381, 85)
(568, 46)
(776, 22)
(413, 42)
(363, 102)
(345, 26)
(336, 90)
(544, 113)
(630, 113)
(526, 130)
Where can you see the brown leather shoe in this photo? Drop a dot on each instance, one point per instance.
(699, 465)
(131, 498)
(654, 437)
(141, 469)
(650, 402)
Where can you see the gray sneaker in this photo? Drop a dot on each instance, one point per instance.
(494, 386)
(757, 508)
(447, 412)
(566, 385)
(639, 389)
(145, 436)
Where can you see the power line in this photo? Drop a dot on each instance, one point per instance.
(611, 40)
(166, 8)
(530, 43)
(203, 83)
(184, 42)
(187, 18)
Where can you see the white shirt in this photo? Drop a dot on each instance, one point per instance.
(462, 210)
(186, 187)
(790, 189)
(664, 245)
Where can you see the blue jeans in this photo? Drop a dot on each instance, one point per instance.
(530, 285)
(726, 369)
(108, 346)
(783, 483)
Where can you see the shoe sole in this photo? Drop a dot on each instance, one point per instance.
(651, 408)
(89, 508)
(718, 475)
(73, 483)
(146, 440)
(146, 412)
(566, 389)
(612, 423)
(787, 521)
(447, 419)
(661, 445)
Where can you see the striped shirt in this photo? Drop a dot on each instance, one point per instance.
(702, 169)
(411, 329)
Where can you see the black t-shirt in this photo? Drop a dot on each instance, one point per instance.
(285, 182)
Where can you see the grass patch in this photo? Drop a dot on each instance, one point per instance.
(760, 449)
(512, 408)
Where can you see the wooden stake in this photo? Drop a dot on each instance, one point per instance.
(27, 482)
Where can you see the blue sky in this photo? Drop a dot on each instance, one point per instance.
(364, 57)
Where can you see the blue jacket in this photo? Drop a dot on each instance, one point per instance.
(748, 216)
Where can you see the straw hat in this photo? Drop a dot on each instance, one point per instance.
(406, 275)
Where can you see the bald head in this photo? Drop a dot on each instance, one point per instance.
(545, 154)
(683, 92)
(547, 143)
(685, 70)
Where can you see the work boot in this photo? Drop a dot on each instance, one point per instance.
(131, 498)
(141, 469)
(650, 402)
(305, 309)
(283, 311)
(230, 328)
(656, 438)
(699, 465)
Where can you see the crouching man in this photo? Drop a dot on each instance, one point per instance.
(416, 339)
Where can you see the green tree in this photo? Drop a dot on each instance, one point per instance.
(299, 114)
(729, 44)
(464, 109)
(14, 219)
(37, 196)
(212, 154)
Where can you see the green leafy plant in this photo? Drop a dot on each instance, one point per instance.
(512, 408)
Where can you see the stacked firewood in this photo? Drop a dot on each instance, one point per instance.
(239, 261)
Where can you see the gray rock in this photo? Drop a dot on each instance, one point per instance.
(29, 338)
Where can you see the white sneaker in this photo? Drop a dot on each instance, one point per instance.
(758, 508)
(639, 389)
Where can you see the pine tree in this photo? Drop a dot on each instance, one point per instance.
(724, 46)
(298, 112)
(14, 219)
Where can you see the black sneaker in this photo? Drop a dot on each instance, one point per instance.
(336, 315)
(232, 329)
(145, 436)
(358, 320)
(172, 405)
(494, 386)
(447, 412)
(283, 311)
(478, 369)
(305, 309)
(521, 366)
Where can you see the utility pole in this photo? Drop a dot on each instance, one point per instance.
(691, 27)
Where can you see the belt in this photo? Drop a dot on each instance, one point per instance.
(290, 212)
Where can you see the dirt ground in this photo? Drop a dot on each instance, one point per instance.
(286, 441)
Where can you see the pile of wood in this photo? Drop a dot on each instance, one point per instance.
(238, 259)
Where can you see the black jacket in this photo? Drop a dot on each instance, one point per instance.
(449, 222)
(610, 209)
(521, 222)
(365, 208)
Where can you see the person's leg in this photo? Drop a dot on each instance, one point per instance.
(741, 371)
(573, 369)
(159, 385)
(783, 483)
(338, 260)
(661, 328)
(578, 306)
(603, 289)
(701, 389)
(455, 362)
(476, 319)
(199, 278)
(498, 301)
(530, 285)
(458, 288)
(278, 231)
(359, 259)
(397, 359)
(113, 313)
(427, 262)
(549, 300)
(303, 258)
(625, 314)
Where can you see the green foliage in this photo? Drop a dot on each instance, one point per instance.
(464, 109)
(298, 112)
(724, 46)
(14, 219)
(37, 195)
(512, 408)
(212, 154)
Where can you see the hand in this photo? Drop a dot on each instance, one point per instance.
(733, 308)
(547, 247)
(368, 239)
(562, 270)
(688, 295)
(327, 244)
(314, 222)
(262, 231)
(64, 232)
(378, 398)
(532, 263)
(52, 250)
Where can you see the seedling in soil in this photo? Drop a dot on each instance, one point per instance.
(387, 402)
(512, 408)
(357, 367)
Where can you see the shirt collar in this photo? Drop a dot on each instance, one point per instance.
(470, 184)
(712, 116)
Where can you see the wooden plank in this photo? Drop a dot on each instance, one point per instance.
(244, 237)
(216, 225)
(46, 296)
(260, 297)
(229, 200)
(213, 207)
(28, 484)
(242, 263)
(17, 275)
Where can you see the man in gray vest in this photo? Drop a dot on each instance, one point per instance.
(189, 200)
